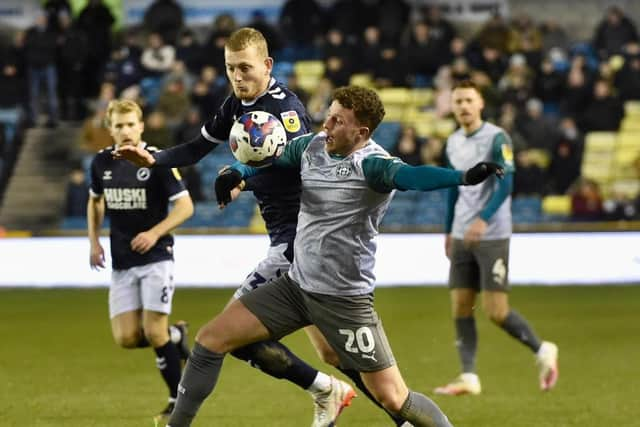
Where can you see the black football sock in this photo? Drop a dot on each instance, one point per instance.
(168, 362)
(275, 359)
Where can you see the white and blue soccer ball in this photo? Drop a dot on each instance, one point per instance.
(257, 138)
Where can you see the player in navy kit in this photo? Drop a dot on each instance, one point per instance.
(136, 202)
(248, 68)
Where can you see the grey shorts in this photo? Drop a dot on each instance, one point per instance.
(350, 324)
(483, 266)
(149, 287)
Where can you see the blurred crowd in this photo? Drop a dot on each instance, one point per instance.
(544, 88)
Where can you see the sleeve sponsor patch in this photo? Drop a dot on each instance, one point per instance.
(507, 153)
(291, 121)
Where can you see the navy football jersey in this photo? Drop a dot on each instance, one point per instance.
(276, 190)
(136, 199)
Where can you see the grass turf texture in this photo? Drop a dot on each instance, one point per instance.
(59, 366)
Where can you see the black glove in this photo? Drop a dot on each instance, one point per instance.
(225, 182)
(482, 171)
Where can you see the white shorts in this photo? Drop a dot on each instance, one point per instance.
(270, 268)
(149, 287)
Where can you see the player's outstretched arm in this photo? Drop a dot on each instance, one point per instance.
(388, 173)
(185, 154)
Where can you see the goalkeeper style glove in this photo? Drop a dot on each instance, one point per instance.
(482, 171)
(225, 182)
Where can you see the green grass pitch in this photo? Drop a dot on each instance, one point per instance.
(59, 366)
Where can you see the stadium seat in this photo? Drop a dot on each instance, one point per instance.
(632, 108)
(398, 96)
(626, 187)
(361, 79)
(629, 139)
(557, 206)
(630, 124)
(600, 141)
(309, 68)
(421, 98)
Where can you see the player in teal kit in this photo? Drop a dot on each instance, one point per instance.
(347, 183)
(478, 230)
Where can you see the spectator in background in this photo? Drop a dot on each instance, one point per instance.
(124, 68)
(158, 57)
(13, 84)
(432, 152)
(209, 92)
(529, 177)
(613, 33)
(337, 58)
(392, 18)
(77, 193)
(548, 86)
(627, 79)
(351, 17)
(173, 102)
(94, 135)
(537, 129)
(553, 35)
(494, 34)
(190, 126)
(96, 21)
(578, 88)
(301, 23)
(441, 31)
(166, 18)
(157, 130)
(271, 32)
(566, 157)
(319, 102)
(73, 52)
(586, 200)
(391, 69)
(408, 146)
(213, 48)
(189, 51)
(493, 63)
(423, 55)
(53, 9)
(368, 51)
(40, 58)
(517, 82)
(604, 112)
(525, 38)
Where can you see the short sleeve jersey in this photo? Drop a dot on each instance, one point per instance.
(136, 199)
(277, 190)
(490, 143)
(335, 246)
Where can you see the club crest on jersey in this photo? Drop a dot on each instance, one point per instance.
(291, 121)
(143, 174)
(343, 170)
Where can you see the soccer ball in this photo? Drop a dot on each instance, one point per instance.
(257, 138)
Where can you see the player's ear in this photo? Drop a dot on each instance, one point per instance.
(268, 62)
